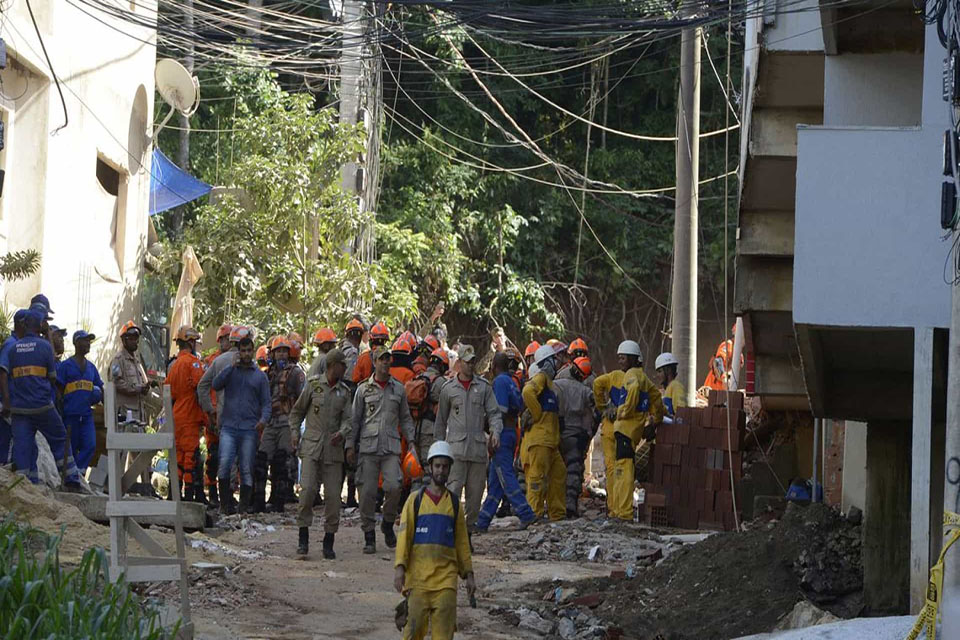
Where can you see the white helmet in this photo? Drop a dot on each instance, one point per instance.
(440, 448)
(544, 352)
(665, 359)
(630, 348)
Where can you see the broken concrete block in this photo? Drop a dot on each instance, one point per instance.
(805, 614)
(209, 567)
(567, 629)
(532, 620)
(590, 600)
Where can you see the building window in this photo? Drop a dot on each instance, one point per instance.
(113, 182)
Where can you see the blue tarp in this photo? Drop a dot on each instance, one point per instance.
(170, 186)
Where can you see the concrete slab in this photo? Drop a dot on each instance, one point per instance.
(892, 628)
(95, 508)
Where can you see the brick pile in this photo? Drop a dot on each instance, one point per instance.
(689, 481)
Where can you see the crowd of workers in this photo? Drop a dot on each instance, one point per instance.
(366, 411)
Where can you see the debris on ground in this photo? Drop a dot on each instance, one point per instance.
(729, 585)
(805, 614)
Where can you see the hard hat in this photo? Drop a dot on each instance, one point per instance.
(279, 342)
(411, 467)
(583, 365)
(128, 327)
(630, 348)
(440, 354)
(531, 349)
(187, 333)
(665, 359)
(379, 331)
(440, 448)
(401, 345)
(512, 354)
(543, 354)
(296, 344)
(224, 331)
(431, 342)
(577, 345)
(324, 335)
(354, 325)
(262, 353)
(553, 342)
(240, 332)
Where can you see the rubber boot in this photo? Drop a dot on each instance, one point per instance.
(328, 547)
(213, 499)
(278, 481)
(369, 542)
(259, 495)
(304, 546)
(389, 538)
(246, 498)
(227, 506)
(352, 492)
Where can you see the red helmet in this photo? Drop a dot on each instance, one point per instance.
(531, 349)
(583, 366)
(279, 342)
(296, 344)
(406, 343)
(262, 353)
(441, 355)
(513, 354)
(354, 325)
(224, 331)
(240, 332)
(430, 342)
(411, 467)
(379, 331)
(324, 335)
(578, 347)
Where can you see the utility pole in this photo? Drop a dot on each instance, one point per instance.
(950, 599)
(350, 68)
(684, 335)
(183, 155)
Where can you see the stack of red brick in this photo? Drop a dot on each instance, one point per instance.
(690, 481)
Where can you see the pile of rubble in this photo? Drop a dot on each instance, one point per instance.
(212, 585)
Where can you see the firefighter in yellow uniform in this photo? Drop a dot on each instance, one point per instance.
(674, 395)
(643, 404)
(432, 550)
(543, 467)
(608, 394)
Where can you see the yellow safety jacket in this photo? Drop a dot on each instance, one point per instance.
(432, 545)
(541, 401)
(643, 402)
(674, 397)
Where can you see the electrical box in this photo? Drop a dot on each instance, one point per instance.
(951, 141)
(948, 204)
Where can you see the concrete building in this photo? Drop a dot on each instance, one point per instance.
(78, 194)
(840, 262)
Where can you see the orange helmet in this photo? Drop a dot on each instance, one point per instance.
(296, 344)
(531, 349)
(578, 346)
(262, 353)
(406, 343)
(411, 467)
(583, 366)
(293, 336)
(379, 331)
(224, 331)
(324, 335)
(187, 333)
(513, 354)
(278, 342)
(354, 325)
(128, 327)
(240, 332)
(442, 355)
(430, 341)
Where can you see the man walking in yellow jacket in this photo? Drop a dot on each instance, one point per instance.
(543, 466)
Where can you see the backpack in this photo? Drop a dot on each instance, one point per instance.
(418, 397)
(419, 498)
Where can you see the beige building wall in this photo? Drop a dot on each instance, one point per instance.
(79, 195)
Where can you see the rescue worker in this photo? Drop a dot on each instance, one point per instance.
(244, 404)
(296, 346)
(82, 389)
(131, 385)
(432, 551)
(637, 419)
(263, 358)
(286, 385)
(210, 434)
(403, 353)
(6, 434)
(379, 334)
(379, 406)
(719, 371)
(435, 377)
(577, 349)
(212, 403)
(540, 450)
(352, 335)
(674, 395)
(502, 479)
(578, 427)
(327, 406)
(325, 340)
(428, 344)
(467, 407)
(529, 352)
(28, 375)
(608, 394)
(56, 341)
(183, 376)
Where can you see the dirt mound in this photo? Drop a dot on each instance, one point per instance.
(36, 506)
(735, 584)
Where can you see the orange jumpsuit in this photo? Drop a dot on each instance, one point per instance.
(211, 436)
(364, 367)
(419, 364)
(188, 417)
(725, 355)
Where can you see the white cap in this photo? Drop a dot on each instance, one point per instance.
(665, 359)
(544, 352)
(439, 449)
(630, 348)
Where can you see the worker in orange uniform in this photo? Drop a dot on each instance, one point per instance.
(296, 346)
(379, 334)
(637, 420)
(263, 358)
(719, 370)
(424, 350)
(188, 417)
(325, 340)
(210, 434)
(352, 336)
(403, 351)
(529, 352)
(540, 450)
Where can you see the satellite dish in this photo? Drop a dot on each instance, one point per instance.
(178, 89)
